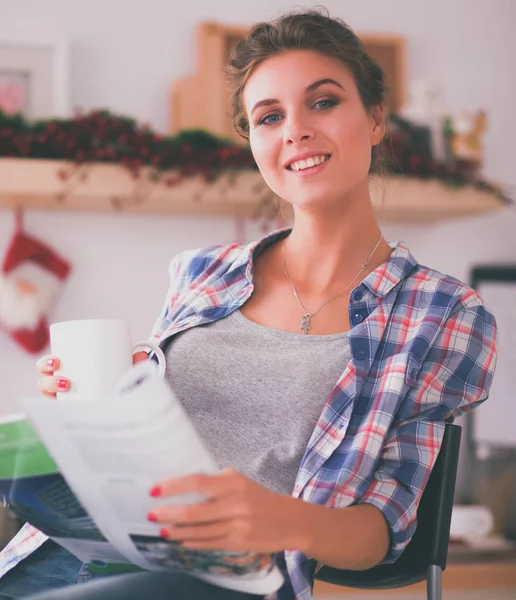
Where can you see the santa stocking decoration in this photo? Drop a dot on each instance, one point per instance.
(31, 276)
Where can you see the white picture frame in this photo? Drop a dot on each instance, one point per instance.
(34, 76)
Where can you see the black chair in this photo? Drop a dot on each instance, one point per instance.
(425, 556)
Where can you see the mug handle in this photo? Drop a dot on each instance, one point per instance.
(162, 361)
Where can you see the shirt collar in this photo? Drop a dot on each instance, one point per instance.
(397, 268)
(254, 249)
(380, 281)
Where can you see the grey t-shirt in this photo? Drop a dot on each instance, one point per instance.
(255, 393)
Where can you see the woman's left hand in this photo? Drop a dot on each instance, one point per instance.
(238, 514)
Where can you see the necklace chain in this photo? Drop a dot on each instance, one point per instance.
(305, 325)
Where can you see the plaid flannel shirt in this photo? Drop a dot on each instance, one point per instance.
(423, 350)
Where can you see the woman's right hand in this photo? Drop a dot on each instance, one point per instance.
(49, 384)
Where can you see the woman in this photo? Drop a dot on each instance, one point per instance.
(331, 359)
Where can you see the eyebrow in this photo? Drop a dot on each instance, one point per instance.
(313, 86)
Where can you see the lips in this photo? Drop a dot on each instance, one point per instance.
(306, 160)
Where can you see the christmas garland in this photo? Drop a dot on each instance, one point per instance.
(103, 137)
(100, 136)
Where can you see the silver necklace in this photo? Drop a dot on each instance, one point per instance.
(305, 325)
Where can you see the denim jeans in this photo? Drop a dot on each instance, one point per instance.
(145, 586)
(49, 567)
(51, 573)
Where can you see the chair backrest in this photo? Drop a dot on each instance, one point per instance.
(429, 544)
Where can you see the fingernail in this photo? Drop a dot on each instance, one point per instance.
(156, 491)
(51, 363)
(163, 533)
(63, 384)
(152, 517)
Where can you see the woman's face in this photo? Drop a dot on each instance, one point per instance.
(309, 131)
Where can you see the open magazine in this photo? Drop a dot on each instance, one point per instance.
(81, 473)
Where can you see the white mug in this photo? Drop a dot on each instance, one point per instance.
(94, 354)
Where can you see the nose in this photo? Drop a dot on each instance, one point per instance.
(297, 131)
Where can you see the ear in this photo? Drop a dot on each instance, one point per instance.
(377, 124)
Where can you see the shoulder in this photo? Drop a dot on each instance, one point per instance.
(203, 262)
(434, 310)
(417, 291)
(429, 289)
(451, 340)
(219, 260)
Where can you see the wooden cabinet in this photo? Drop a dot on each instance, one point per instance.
(201, 99)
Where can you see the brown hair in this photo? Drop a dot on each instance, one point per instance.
(306, 30)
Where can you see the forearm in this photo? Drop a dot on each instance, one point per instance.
(356, 537)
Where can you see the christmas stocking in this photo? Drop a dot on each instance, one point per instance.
(31, 276)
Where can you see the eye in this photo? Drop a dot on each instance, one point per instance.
(325, 104)
(269, 119)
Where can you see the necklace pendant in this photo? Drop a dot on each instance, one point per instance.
(305, 323)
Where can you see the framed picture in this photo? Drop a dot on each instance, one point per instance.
(34, 79)
(494, 421)
(201, 100)
(389, 52)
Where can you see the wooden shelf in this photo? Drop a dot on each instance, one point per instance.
(412, 200)
(36, 184)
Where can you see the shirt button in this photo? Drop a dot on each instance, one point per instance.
(361, 353)
(357, 296)
(357, 318)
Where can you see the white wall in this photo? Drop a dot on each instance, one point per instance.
(125, 56)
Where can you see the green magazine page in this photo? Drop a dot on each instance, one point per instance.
(21, 452)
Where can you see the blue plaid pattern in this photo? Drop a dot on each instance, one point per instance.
(423, 348)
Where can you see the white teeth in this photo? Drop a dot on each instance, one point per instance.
(309, 162)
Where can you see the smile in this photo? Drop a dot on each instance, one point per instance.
(309, 163)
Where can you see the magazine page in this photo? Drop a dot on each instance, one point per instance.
(113, 451)
(33, 489)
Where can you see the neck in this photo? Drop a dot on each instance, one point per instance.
(328, 247)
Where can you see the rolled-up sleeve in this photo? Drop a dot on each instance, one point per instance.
(455, 376)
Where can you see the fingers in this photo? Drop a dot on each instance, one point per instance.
(209, 486)
(214, 531)
(47, 364)
(50, 385)
(191, 514)
(140, 356)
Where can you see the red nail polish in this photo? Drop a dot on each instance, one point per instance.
(156, 491)
(152, 517)
(163, 533)
(51, 363)
(62, 384)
